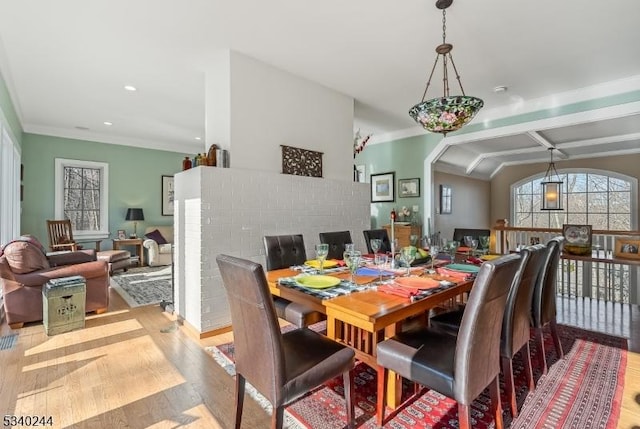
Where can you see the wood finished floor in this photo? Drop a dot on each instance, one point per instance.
(123, 371)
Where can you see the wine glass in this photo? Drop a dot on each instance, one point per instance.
(413, 240)
(434, 250)
(376, 244)
(380, 260)
(483, 241)
(473, 245)
(408, 255)
(352, 259)
(322, 250)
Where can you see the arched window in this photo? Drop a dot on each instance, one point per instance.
(604, 199)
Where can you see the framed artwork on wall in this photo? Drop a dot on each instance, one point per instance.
(383, 187)
(167, 195)
(446, 199)
(577, 239)
(409, 187)
(627, 248)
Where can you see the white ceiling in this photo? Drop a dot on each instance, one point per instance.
(66, 62)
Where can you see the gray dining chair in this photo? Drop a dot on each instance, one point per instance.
(282, 367)
(543, 310)
(284, 251)
(460, 365)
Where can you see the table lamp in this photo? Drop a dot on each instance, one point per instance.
(135, 215)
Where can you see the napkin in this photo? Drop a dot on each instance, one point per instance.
(368, 271)
(399, 291)
(417, 283)
(455, 274)
(473, 260)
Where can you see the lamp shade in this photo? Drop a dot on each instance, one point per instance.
(134, 214)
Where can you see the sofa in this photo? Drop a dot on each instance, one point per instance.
(158, 240)
(25, 268)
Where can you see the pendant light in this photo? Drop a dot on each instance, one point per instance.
(449, 112)
(551, 188)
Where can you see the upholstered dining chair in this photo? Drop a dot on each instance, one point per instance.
(283, 251)
(381, 234)
(516, 330)
(282, 367)
(336, 241)
(459, 366)
(61, 235)
(543, 310)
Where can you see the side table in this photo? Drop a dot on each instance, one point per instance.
(134, 242)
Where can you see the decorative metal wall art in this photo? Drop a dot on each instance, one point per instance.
(301, 162)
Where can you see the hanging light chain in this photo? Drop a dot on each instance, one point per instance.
(444, 25)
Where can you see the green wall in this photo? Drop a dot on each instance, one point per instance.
(8, 111)
(406, 158)
(134, 180)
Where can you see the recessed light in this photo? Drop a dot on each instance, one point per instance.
(108, 123)
(198, 138)
(130, 88)
(499, 89)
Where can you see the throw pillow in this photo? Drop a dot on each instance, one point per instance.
(25, 257)
(156, 236)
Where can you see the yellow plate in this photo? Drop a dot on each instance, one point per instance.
(314, 263)
(489, 257)
(318, 282)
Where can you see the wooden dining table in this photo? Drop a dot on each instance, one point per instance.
(362, 319)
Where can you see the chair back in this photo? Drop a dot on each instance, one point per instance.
(516, 322)
(544, 294)
(283, 251)
(257, 338)
(336, 241)
(381, 234)
(60, 235)
(477, 356)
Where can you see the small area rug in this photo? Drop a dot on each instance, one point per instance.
(143, 286)
(582, 390)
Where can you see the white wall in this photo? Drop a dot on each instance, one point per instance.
(268, 107)
(229, 210)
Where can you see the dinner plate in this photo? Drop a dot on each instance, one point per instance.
(417, 282)
(318, 282)
(465, 268)
(489, 257)
(314, 263)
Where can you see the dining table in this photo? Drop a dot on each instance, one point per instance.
(366, 316)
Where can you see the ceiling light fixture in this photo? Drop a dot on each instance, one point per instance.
(551, 187)
(130, 88)
(107, 123)
(447, 113)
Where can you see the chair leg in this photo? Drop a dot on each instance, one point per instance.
(540, 347)
(556, 338)
(347, 379)
(277, 417)
(240, 382)
(528, 371)
(509, 388)
(382, 388)
(464, 417)
(494, 392)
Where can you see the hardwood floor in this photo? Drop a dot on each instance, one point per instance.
(122, 370)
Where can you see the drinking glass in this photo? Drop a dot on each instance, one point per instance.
(380, 260)
(413, 240)
(484, 242)
(473, 246)
(321, 254)
(376, 244)
(408, 255)
(352, 259)
(467, 240)
(348, 247)
(434, 249)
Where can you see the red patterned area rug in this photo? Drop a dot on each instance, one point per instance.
(582, 390)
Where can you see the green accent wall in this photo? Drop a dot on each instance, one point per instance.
(135, 176)
(406, 158)
(9, 112)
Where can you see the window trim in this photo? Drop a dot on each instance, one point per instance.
(614, 174)
(60, 164)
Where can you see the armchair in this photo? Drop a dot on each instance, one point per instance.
(158, 242)
(25, 269)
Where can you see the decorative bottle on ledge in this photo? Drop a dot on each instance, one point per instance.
(186, 163)
(211, 156)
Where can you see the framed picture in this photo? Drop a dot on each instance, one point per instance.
(577, 239)
(122, 234)
(167, 195)
(383, 187)
(446, 199)
(627, 248)
(409, 187)
(359, 174)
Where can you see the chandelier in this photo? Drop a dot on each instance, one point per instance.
(551, 188)
(449, 112)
